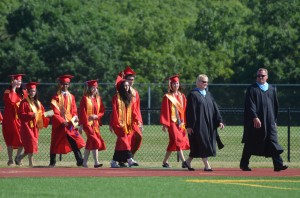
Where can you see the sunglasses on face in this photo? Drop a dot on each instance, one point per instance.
(204, 81)
(261, 76)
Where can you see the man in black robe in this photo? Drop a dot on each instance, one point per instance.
(202, 120)
(260, 115)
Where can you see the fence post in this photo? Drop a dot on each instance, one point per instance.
(149, 104)
(289, 136)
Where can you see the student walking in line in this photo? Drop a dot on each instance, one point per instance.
(172, 117)
(91, 113)
(31, 114)
(121, 123)
(11, 123)
(65, 136)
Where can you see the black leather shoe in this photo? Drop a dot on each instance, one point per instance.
(208, 169)
(245, 168)
(98, 165)
(183, 165)
(166, 165)
(280, 168)
(189, 168)
(79, 163)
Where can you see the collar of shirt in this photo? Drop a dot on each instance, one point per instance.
(263, 87)
(202, 92)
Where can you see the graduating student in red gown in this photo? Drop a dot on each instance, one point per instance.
(172, 117)
(31, 114)
(121, 123)
(11, 123)
(65, 137)
(136, 139)
(91, 113)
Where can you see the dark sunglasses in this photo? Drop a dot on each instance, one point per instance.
(261, 76)
(204, 81)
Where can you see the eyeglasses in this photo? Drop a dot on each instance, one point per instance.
(204, 81)
(261, 76)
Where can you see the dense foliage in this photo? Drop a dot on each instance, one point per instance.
(228, 40)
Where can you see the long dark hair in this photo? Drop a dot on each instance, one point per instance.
(35, 100)
(126, 96)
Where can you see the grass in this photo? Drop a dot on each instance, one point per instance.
(151, 187)
(155, 142)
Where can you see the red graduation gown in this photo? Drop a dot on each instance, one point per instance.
(29, 130)
(177, 136)
(11, 123)
(92, 131)
(59, 140)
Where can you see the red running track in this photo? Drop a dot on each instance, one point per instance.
(141, 172)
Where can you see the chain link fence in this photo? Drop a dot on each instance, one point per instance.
(155, 141)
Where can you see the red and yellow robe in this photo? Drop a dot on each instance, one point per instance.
(172, 114)
(89, 106)
(64, 108)
(122, 121)
(11, 123)
(30, 126)
(136, 139)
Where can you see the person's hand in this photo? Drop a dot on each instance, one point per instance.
(165, 128)
(141, 128)
(14, 85)
(257, 123)
(65, 123)
(221, 125)
(93, 117)
(189, 131)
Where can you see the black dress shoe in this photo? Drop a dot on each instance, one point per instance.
(245, 168)
(98, 165)
(79, 162)
(189, 168)
(166, 165)
(208, 169)
(280, 168)
(183, 165)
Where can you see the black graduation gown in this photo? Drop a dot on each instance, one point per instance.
(263, 105)
(203, 116)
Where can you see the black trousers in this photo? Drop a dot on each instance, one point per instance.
(75, 149)
(277, 160)
(122, 156)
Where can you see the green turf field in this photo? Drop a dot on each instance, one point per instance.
(155, 142)
(151, 187)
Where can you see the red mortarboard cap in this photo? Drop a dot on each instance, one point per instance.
(128, 71)
(92, 83)
(17, 76)
(174, 78)
(31, 85)
(118, 82)
(65, 78)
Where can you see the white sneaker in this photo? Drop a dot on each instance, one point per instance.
(132, 162)
(114, 164)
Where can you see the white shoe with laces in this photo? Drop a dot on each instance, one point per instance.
(114, 164)
(132, 162)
